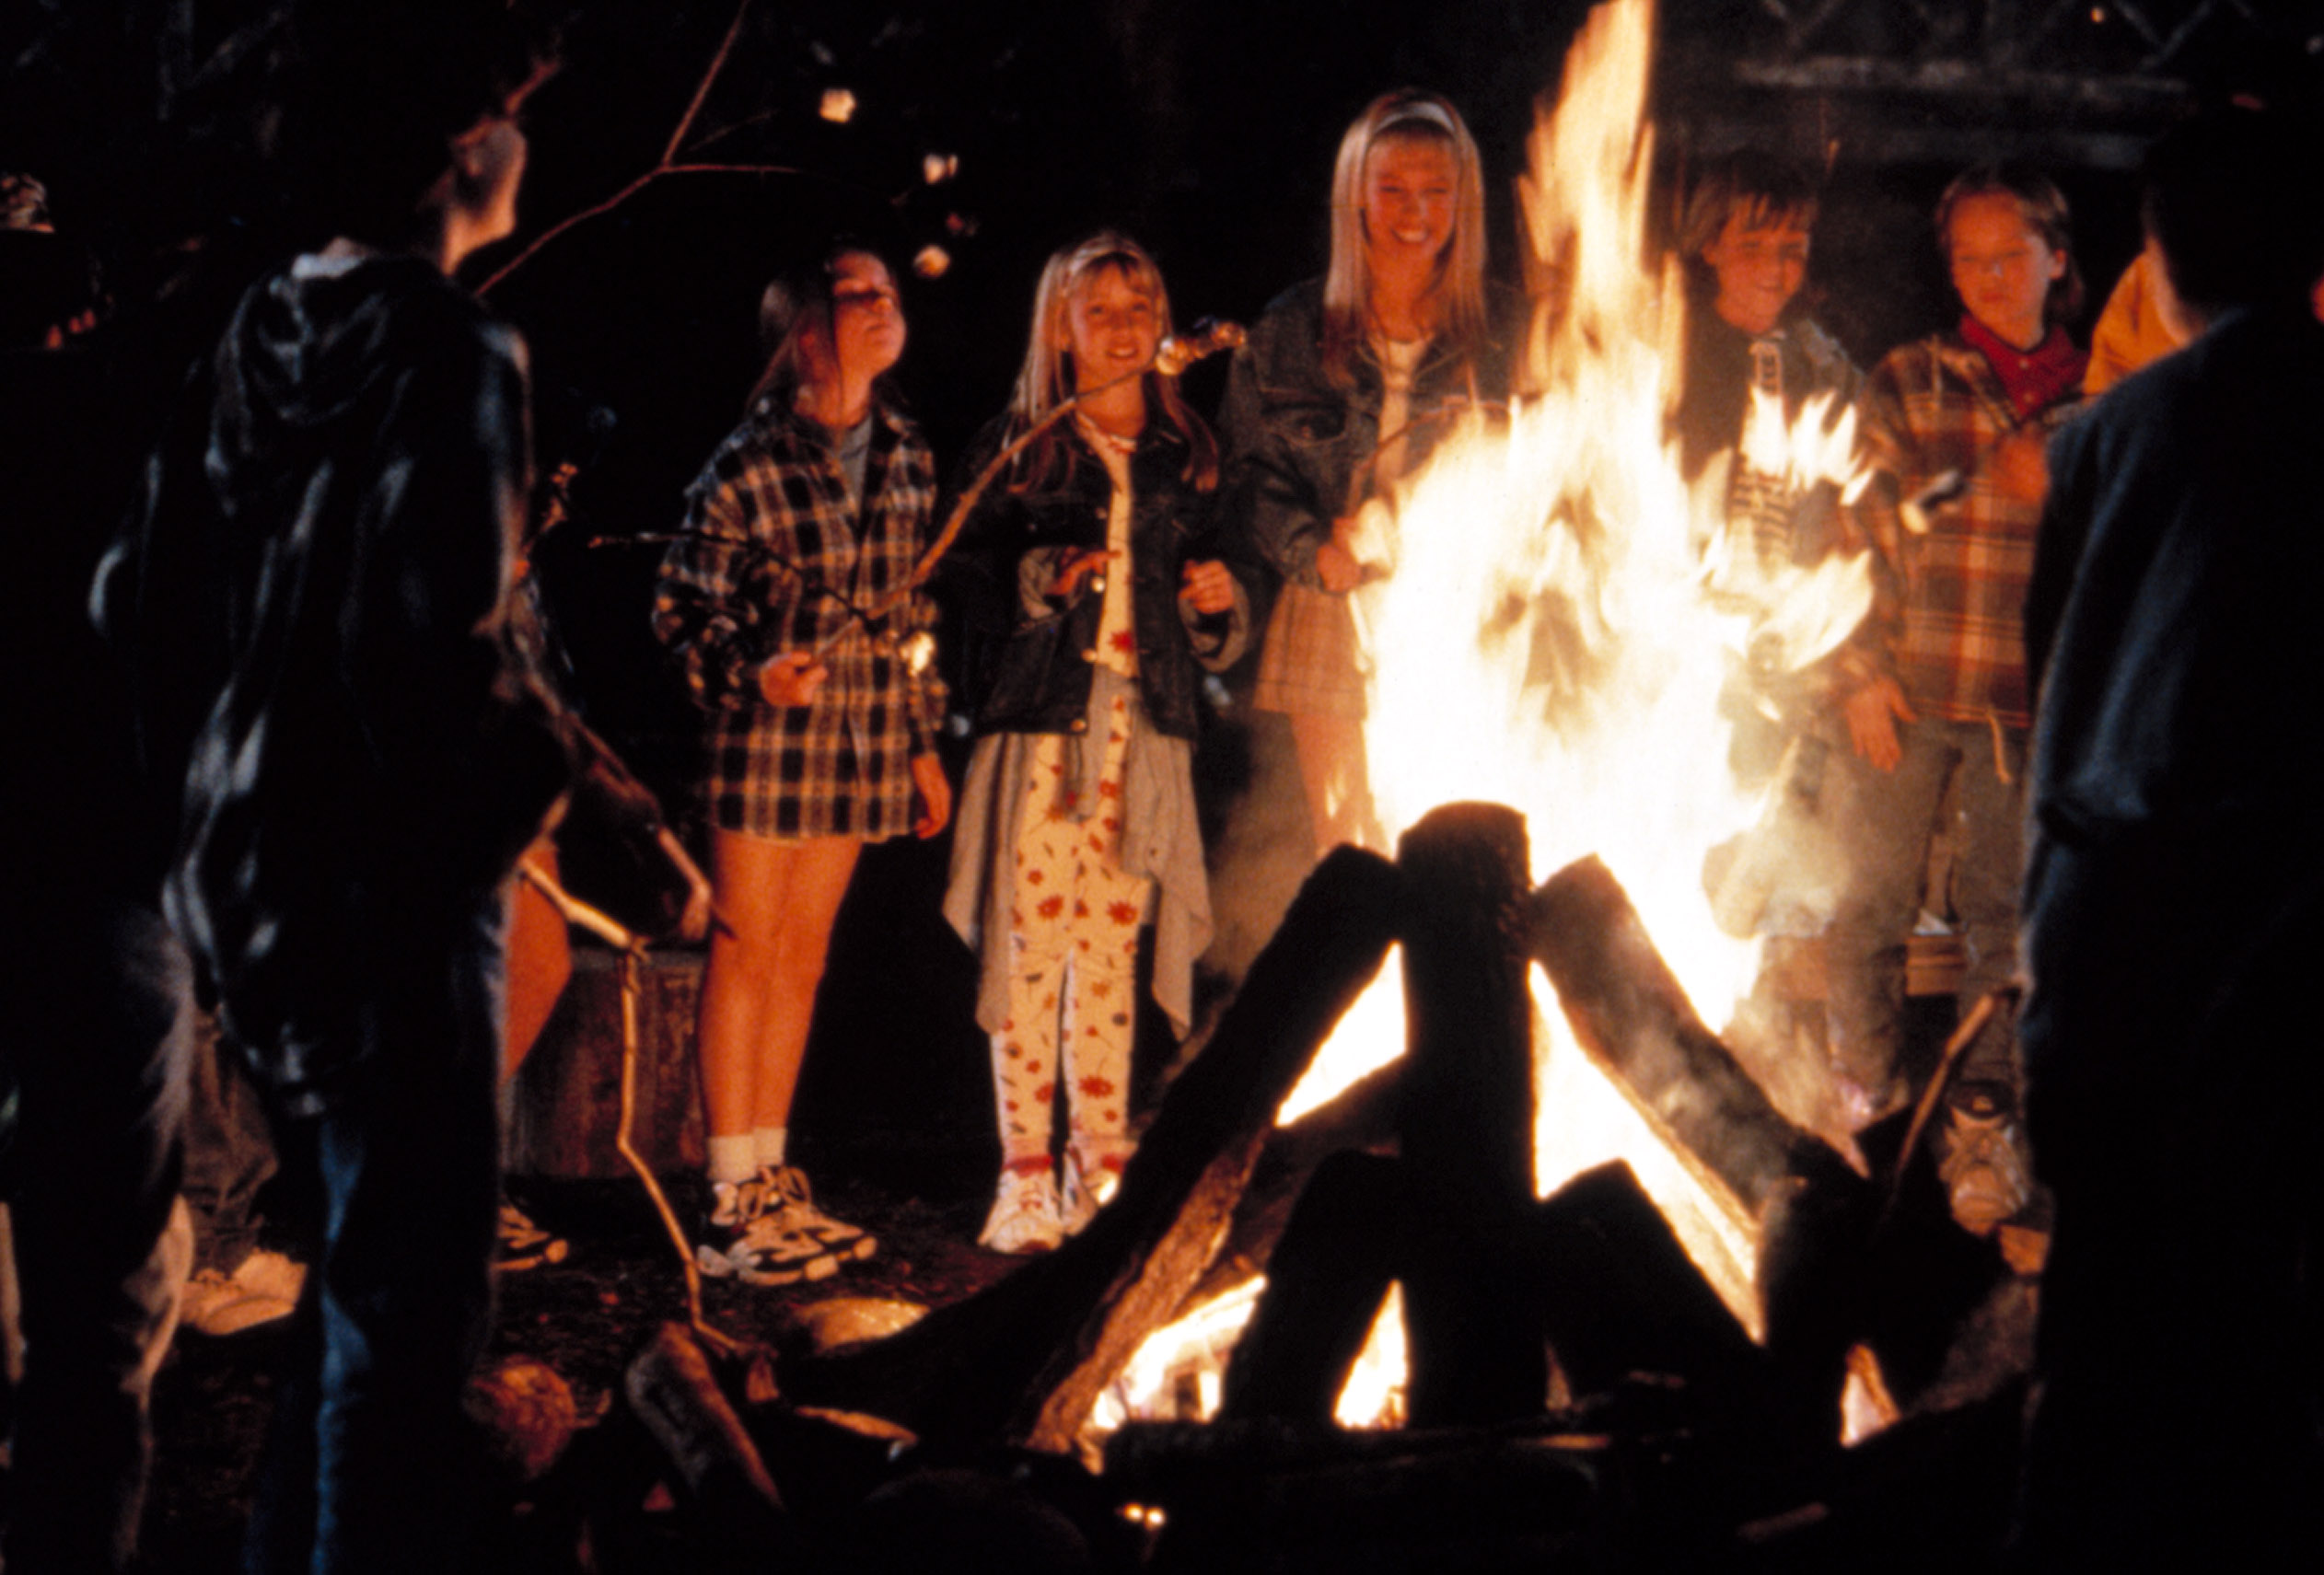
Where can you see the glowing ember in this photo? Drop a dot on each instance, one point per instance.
(1175, 1372)
(1374, 1393)
(838, 106)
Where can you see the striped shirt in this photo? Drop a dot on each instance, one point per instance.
(776, 550)
(1952, 553)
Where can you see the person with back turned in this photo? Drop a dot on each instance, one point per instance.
(2174, 899)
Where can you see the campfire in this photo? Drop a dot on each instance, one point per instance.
(1508, 1207)
(1611, 615)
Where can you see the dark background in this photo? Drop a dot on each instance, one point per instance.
(1206, 127)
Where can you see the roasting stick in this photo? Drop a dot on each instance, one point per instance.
(1174, 357)
(633, 949)
(2002, 997)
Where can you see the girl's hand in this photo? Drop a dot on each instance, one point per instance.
(795, 677)
(935, 795)
(1076, 566)
(1207, 587)
(1337, 568)
(1873, 713)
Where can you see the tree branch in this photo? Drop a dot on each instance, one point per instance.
(666, 165)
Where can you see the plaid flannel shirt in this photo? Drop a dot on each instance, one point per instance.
(770, 523)
(1948, 604)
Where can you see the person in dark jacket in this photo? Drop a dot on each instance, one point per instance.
(2174, 901)
(1347, 383)
(97, 1040)
(312, 602)
(1077, 825)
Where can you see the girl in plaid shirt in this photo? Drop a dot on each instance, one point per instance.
(799, 534)
(1935, 687)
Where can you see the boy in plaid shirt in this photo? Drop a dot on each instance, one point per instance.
(1934, 692)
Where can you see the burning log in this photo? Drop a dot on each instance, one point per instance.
(1360, 1117)
(1633, 1017)
(1465, 1120)
(1344, 1242)
(1620, 1298)
(1022, 1361)
(1832, 1270)
(1595, 1267)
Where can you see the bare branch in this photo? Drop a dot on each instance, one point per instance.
(666, 165)
(702, 89)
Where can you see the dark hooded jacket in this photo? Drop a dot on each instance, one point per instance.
(311, 601)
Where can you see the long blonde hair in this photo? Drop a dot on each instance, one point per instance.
(1046, 380)
(1460, 281)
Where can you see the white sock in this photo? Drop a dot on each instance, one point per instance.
(771, 1141)
(733, 1159)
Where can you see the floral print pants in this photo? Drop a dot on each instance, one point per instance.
(1073, 963)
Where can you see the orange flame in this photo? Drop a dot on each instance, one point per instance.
(1555, 616)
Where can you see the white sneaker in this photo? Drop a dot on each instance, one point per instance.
(788, 1208)
(1024, 1216)
(742, 1240)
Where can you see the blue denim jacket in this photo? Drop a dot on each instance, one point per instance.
(1296, 444)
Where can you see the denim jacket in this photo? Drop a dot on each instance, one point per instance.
(1296, 444)
(1030, 653)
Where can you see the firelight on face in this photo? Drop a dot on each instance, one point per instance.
(1410, 187)
(2001, 266)
(1759, 267)
(1112, 328)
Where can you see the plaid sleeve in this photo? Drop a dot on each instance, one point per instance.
(716, 599)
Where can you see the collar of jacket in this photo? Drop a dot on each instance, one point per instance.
(1305, 299)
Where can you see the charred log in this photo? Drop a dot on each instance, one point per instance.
(1344, 1243)
(1014, 1362)
(1271, 1496)
(1840, 1266)
(1359, 1119)
(1466, 1119)
(1634, 1019)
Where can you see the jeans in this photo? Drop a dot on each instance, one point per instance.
(101, 1032)
(1885, 822)
(370, 1454)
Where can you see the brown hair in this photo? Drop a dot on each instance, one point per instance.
(2044, 207)
(1764, 189)
(795, 304)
